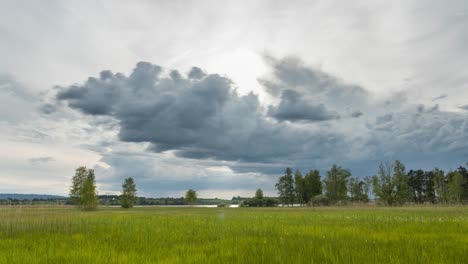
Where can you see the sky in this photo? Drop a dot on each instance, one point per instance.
(221, 96)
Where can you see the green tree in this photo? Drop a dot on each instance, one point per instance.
(383, 184)
(400, 179)
(76, 188)
(464, 172)
(336, 184)
(285, 188)
(455, 186)
(191, 196)
(83, 189)
(89, 199)
(128, 197)
(358, 190)
(391, 184)
(299, 188)
(259, 194)
(312, 185)
(368, 180)
(440, 186)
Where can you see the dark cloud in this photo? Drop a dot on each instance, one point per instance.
(464, 107)
(201, 116)
(196, 73)
(293, 108)
(357, 114)
(309, 95)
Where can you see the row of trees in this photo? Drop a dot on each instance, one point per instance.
(259, 200)
(392, 185)
(83, 191)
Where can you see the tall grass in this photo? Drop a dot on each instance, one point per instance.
(235, 235)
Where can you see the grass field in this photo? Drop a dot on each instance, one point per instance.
(235, 235)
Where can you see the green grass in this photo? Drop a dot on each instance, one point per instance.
(235, 235)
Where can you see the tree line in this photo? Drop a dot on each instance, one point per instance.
(83, 191)
(392, 185)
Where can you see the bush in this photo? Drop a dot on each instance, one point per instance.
(320, 200)
(222, 205)
(264, 202)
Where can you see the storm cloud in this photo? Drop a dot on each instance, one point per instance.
(201, 116)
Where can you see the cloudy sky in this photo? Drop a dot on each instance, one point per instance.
(221, 96)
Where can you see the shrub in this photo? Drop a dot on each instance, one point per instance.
(320, 200)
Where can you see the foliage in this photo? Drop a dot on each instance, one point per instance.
(285, 188)
(259, 194)
(83, 189)
(190, 196)
(336, 183)
(76, 188)
(455, 186)
(312, 185)
(128, 197)
(89, 199)
(358, 190)
(441, 189)
(391, 183)
(320, 200)
(254, 202)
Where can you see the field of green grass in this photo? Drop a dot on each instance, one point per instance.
(235, 235)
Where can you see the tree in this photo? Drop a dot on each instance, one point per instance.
(191, 196)
(383, 184)
(421, 186)
(83, 189)
(259, 194)
(336, 184)
(391, 183)
(128, 197)
(299, 188)
(358, 190)
(285, 187)
(76, 188)
(464, 172)
(400, 178)
(455, 186)
(440, 186)
(89, 199)
(312, 185)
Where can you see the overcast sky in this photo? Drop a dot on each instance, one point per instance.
(221, 96)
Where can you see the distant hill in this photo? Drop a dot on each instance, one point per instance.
(29, 196)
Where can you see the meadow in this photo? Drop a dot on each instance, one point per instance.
(234, 235)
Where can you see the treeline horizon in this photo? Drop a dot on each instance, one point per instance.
(391, 185)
